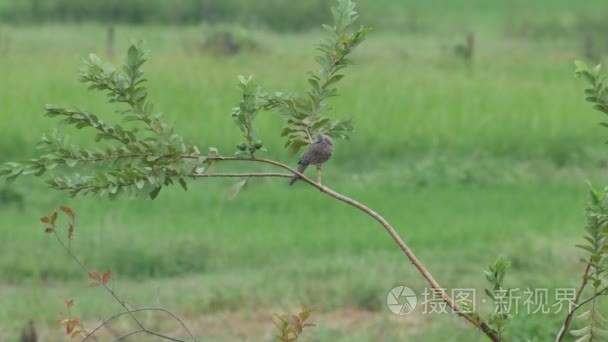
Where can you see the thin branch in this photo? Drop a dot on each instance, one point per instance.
(128, 334)
(128, 311)
(69, 251)
(477, 322)
(602, 292)
(108, 320)
(564, 329)
(159, 335)
(266, 174)
(110, 329)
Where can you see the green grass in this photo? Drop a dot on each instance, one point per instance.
(256, 253)
(422, 101)
(466, 162)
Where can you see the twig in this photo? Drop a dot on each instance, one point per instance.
(477, 322)
(69, 251)
(108, 328)
(108, 320)
(568, 320)
(590, 298)
(564, 329)
(128, 311)
(266, 174)
(128, 334)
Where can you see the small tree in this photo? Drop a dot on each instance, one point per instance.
(144, 154)
(595, 268)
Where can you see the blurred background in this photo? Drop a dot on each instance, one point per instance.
(471, 137)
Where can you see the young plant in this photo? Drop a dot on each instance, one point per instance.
(596, 267)
(73, 325)
(290, 327)
(303, 114)
(500, 296)
(596, 238)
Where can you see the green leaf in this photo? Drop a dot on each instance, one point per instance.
(12, 178)
(334, 79)
(108, 69)
(235, 189)
(95, 60)
(132, 56)
(182, 182)
(581, 332)
(71, 162)
(314, 84)
(585, 315)
(154, 193)
(580, 66)
(213, 153)
(139, 94)
(140, 183)
(489, 293)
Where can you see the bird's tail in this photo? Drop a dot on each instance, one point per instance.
(301, 169)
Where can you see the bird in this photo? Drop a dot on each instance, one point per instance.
(318, 153)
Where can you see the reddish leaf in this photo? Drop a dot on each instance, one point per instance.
(106, 276)
(70, 326)
(94, 275)
(53, 217)
(68, 211)
(49, 230)
(76, 333)
(69, 303)
(63, 319)
(45, 219)
(70, 231)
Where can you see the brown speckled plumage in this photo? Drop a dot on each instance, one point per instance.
(318, 153)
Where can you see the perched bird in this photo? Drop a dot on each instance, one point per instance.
(318, 153)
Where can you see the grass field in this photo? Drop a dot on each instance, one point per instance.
(467, 162)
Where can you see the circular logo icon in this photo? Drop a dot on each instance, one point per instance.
(401, 300)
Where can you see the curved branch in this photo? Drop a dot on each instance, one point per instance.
(149, 332)
(564, 329)
(244, 175)
(108, 320)
(492, 334)
(271, 162)
(128, 334)
(601, 292)
(128, 311)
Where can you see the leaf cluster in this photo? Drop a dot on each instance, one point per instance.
(292, 326)
(303, 114)
(143, 154)
(596, 248)
(495, 275)
(245, 113)
(596, 93)
(73, 325)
